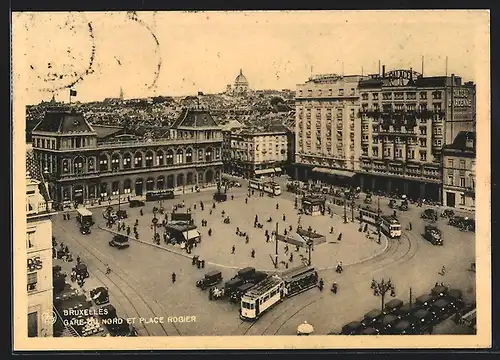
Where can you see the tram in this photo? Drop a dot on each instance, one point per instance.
(274, 289)
(265, 186)
(389, 225)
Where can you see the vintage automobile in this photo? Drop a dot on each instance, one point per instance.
(121, 214)
(387, 324)
(392, 306)
(392, 204)
(240, 291)
(211, 278)
(353, 328)
(404, 205)
(372, 318)
(136, 203)
(119, 242)
(369, 331)
(220, 197)
(454, 296)
(406, 310)
(403, 327)
(439, 291)
(425, 301)
(85, 229)
(448, 214)
(464, 223)
(421, 320)
(368, 199)
(441, 309)
(81, 270)
(429, 214)
(433, 235)
(100, 295)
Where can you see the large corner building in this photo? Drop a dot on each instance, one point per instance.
(86, 162)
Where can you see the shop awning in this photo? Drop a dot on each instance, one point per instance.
(328, 171)
(264, 171)
(191, 234)
(277, 169)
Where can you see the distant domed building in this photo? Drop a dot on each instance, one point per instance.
(240, 87)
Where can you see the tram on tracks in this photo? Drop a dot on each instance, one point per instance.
(389, 224)
(273, 290)
(269, 187)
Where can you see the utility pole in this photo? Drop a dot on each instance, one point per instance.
(276, 241)
(119, 197)
(352, 210)
(411, 297)
(378, 220)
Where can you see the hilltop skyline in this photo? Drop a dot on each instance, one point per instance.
(205, 51)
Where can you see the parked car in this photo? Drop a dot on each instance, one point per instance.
(441, 309)
(454, 296)
(406, 310)
(85, 229)
(429, 214)
(369, 331)
(211, 278)
(403, 327)
(404, 205)
(392, 306)
(387, 323)
(425, 301)
(372, 318)
(421, 320)
(136, 203)
(353, 328)
(122, 214)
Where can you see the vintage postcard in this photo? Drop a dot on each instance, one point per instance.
(251, 180)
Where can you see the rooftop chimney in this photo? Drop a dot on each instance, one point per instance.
(383, 71)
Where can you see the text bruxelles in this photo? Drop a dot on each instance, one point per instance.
(85, 312)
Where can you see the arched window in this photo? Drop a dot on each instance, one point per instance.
(209, 176)
(127, 186)
(115, 162)
(138, 159)
(170, 157)
(78, 165)
(149, 159)
(103, 190)
(65, 166)
(180, 180)
(170, 181)
(217, 153)
(189, 155)
(150, 184)
(103, 162)
(160, 182)
(159, 158)
(115, 186)
(208, 154)
(189, 178)
(127, 160)
(179, 157)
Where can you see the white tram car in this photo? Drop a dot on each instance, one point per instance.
(269, 187)
(275, 289)
(389, 225)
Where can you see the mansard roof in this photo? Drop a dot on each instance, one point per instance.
(64, 122)
(194, 118)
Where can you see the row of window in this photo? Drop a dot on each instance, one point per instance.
(463, 182)
(411, 95)
(329, 92)
(451, 163)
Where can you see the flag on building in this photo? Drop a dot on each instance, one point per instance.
(72, 92)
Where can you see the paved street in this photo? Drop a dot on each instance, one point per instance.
(140, 282)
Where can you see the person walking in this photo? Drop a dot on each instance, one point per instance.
(252, 254)
(233, 249)
(174, 277)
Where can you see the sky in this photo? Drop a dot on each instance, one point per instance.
(181, 53)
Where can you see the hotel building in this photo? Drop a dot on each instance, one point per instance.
(327, 128)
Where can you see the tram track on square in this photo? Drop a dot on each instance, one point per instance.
(287, 313)
(132, 295)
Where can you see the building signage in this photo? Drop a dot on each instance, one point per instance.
(401, 77)
(34, 264)
(461, 98)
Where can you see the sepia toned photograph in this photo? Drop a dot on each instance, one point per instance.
(251, 180)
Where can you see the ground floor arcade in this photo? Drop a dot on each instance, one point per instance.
(105, 187)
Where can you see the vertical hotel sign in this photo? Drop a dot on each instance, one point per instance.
(462, 100)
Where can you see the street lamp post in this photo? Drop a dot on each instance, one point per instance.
(309, 245)
(382, 287)
(379, 233)
(352, 210)
(154, 221)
